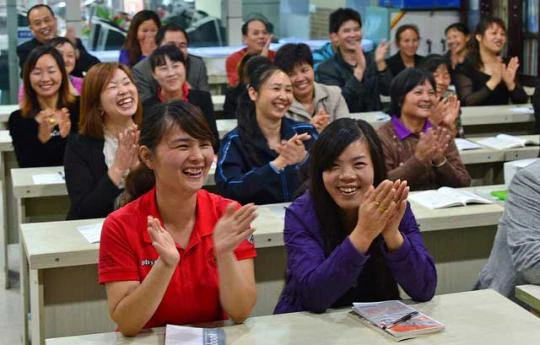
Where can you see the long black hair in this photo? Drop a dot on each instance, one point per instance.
(403, 83)
(331, 143)
(485, 23)
(248, 127)
(156, 124)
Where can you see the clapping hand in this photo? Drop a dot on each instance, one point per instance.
(373, 214)
(163, 242)
(441, 140)
(64, 122)
(126, 156)
(233, 227)
(380, 54)
(509, 73)
(266, 49)
(291, 151)
(321, 119)
(360, 67)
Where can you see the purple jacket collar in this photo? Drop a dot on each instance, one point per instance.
(402, 131)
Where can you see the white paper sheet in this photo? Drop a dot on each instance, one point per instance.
(52, 178)
(527, 109)
(91, 232)
(464, 144)
(181, 335)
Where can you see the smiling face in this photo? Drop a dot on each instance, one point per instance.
(42, 23)
(274, 96)
(442, 79)
(457, 41)
(493, 39)
(178, 39)
(69, 55)
(349, 35)
(408, 42)
(256, 36)
(350, 176)
(302, 77)
(181, 162)
(170, 76)
(120, 97)
(418, 102)
(46, 77)
(147, 30)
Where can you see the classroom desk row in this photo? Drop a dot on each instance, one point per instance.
(58, 265)
(474, 317)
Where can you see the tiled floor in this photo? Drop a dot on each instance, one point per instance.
(10, 304)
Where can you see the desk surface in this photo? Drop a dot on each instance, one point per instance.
(5, 141)
(59, 244)
(530, 295)
(487, 154)
(24, 186)
(475, 317)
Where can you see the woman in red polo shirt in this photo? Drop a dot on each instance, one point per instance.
(176, 254)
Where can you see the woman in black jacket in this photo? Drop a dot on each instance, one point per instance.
(169, 71)
(98, 159)
(48, 114)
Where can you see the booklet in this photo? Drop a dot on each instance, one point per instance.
(183, 335)
(397, 318)
(447, 197)
(505, 141)
(464, 144)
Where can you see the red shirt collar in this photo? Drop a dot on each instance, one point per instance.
(205, 219)
(185, 91)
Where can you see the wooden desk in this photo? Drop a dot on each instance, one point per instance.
(55, 255)
(486, 165)
(474, 317)
(218, 101)
(529, 295)
(7, 160)
(5, 111)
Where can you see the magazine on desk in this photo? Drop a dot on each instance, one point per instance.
(447, 197)
(397, 319)
(505, 141)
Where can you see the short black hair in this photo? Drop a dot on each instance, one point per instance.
(291, 55)
(168, 50)
(254, 19)
(403, 83)
(169, 27)
(340, 16)
(253, 63)
(457, 26)
(433, 61)
(406, 27)
(35, 7)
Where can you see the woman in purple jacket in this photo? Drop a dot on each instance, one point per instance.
(352, 237)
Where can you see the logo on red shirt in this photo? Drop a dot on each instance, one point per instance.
(147, 262)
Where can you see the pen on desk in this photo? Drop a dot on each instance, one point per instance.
(404, 318)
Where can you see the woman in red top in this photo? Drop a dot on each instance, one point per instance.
(177, 254)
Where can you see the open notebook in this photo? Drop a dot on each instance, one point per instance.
(505, 141)
(447, 197)
(397, 319)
